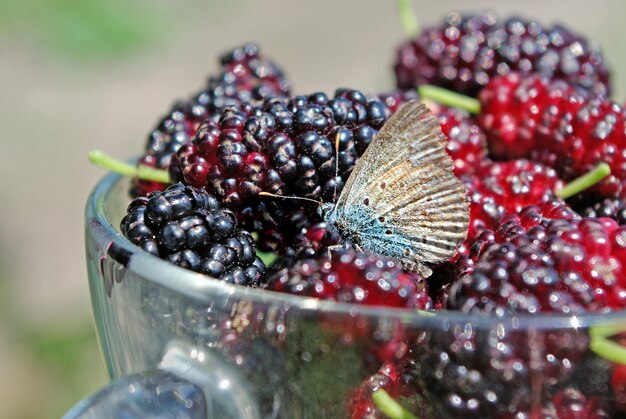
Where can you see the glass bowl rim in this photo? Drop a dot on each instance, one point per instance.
(200, 287)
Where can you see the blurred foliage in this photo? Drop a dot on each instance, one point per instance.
(85, 28)
(66, 360)
(72, 361)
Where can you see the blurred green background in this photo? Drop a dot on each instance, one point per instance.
(77, 75)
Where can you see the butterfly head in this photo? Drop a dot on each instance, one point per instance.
(327, 212)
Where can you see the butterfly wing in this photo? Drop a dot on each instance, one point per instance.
(402, 195)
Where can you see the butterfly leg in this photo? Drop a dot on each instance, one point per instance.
(333, 248)
(415, 266)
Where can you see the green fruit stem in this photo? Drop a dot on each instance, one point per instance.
(603, 346)
(449, 98)
(101, 159)
(608, 349)
(407, 18)
(585, 181)
(386, 404)
(606, 330)
(268, 258)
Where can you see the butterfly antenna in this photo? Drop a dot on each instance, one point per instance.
(337, 137)
(290, 197)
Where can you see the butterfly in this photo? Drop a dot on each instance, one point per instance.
(402, 200)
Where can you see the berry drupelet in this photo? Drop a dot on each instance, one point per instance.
(187, 227)
(245, 76)
(398, 97)
(466, 51)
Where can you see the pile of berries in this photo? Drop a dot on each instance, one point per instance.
(545, 119)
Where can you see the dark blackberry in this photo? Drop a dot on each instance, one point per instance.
(501, 188)
(245, 76)
(583, 136)
(396, 379)
(353, 277)
(311, 242)
(515, 106)
(466, 51)
(188, 228)
(572, 403)
(564, 266)
(497, 373)
(508, 226)
(611, 208)
(618, 387)
(285, 147)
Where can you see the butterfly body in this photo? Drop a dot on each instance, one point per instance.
(402, 200)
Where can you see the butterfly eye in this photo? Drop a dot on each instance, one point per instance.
(381, 219)
(388, 232)
(366, 201)
(383, 185)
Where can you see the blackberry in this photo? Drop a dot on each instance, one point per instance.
(618, 386)
(349, 276)
(572, 403)
(495, 373)
(506, 227)
(245, 76)
(187, 227)
(515, 106)
(280, 146)
(563, 265)
(611, 208)
(501, 188)
(496, 190)
(396, 378)
(591, 132)
(466, 51)
(309, 243)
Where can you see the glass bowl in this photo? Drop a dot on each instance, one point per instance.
(274, 355)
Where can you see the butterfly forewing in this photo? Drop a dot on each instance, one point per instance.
(418, 207)
(412, 133)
